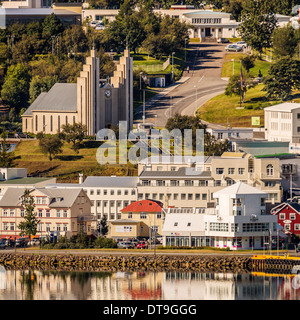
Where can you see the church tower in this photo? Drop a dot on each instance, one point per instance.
(88, 93)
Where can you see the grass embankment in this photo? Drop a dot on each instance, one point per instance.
(226, 110)
(68, 164)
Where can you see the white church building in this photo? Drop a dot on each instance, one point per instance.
(238, 221)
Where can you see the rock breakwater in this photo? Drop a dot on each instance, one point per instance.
(126, 262)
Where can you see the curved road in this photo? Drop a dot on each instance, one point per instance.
(205, 61)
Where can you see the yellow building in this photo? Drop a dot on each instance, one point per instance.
(65, 211)
(140, 219)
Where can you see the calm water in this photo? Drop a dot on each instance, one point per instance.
(58, 285)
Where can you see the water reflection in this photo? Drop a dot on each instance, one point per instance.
(75, 285)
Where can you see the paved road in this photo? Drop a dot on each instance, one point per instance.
(203, 82)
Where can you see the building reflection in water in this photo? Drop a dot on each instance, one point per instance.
(63, 285)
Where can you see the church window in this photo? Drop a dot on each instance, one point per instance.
(44, 123)
(66, 120)
(73, 119)
(58, 123)
(51, 123)
(36, 123)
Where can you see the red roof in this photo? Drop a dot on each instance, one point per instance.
(144, 206)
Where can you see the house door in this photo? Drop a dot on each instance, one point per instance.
(207, 32)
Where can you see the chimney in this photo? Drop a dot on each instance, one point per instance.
(80, 178)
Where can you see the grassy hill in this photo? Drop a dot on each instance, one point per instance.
(67, 165)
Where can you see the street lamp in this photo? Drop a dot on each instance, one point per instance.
(185, 41)
(173, 65)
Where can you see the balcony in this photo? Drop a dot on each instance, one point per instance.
(88, 217)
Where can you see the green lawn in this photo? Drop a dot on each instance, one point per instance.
(228, 68)
(224, 110)
(68, 164)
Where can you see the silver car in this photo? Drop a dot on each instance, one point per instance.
(125, 245)
(233, 47)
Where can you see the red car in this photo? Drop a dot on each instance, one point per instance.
(142, 245)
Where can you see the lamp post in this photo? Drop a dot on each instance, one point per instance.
(173, 66)
(185, 41)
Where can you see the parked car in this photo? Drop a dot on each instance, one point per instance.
(233, 47)
(298, 248)
(21, 243)
(93, 24)
(223, 40)
(3, 244)
(142, 245)
(125, 245)
(242, 44)
(134, 242)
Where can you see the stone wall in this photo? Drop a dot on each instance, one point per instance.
(127, 262)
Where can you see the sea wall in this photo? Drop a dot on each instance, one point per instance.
(127, 262)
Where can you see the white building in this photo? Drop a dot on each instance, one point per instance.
(108, 194)
(205, 23)
(223, 133)
(282, 123)
(238, 221)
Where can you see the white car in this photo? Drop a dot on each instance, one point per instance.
(242, 44)
(93, 24)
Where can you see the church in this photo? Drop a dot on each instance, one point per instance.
(88, 101)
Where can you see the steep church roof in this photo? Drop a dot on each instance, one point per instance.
(61, 97)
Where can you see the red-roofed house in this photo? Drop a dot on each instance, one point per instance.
(138, 218)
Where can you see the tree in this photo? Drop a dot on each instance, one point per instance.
(28, 227)
(74, 40)
(74, 133)
(38, 85)
(6, 157)
(212, 146)
(284, 41)
(282, 78)
(52, 26)
(248, 62)
(50, 145)
(103, 227)
(258, 23)
(239, 85)
(15, 90)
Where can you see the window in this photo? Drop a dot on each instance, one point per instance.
(129, 215)
(105, 192)
(282, 216)
(65, 213)
(143, 215)
(40, 213)
(298, 129)
(112, 192)
(47, 227)
(22, 212)
(241, 170)
(58, 227)
(220, 135)
(98, 192)
(12, 226)
(216, 226)
(160, 183)
(189, 183)
(118, 192)
(190, 196)
(58, 213)
(11, 212)
(297, 226)
(158, 215)
(47, 213)
(269, 170)
(175, 224)
(230, 170)
(183, 196)
(197, 196)
(175, 196)
(188, 224)
(154, 196)
(204, 196)
(255, 227)
(91, 192)
(125, 192)
(5, 212)
(292, 216)
(219, 170)
(65, 227)
(174, 183)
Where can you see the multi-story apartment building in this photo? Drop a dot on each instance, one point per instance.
(191, 184)
(282, 123)
(63, 211)
(239, 221)
(108, 195)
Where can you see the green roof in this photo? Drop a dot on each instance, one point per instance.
(27, 180)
